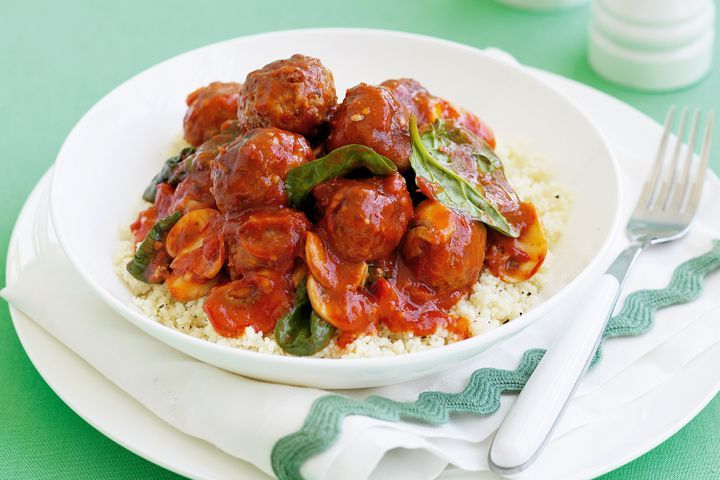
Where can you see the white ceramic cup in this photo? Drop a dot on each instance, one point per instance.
(652, 45)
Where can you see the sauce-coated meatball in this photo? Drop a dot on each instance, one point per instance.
(269, 238)
(364, 219)
(206, 153)
(442, 248)
(208, 108)
(427, 108)
(371, 116)
(405, 90)
(296, 94)
(250, 171)
(194, 193)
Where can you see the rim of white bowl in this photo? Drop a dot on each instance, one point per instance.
(505, 330)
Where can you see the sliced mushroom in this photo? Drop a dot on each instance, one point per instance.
(196, 244)
(186, 287)
(190, 231)
(321, 301)
(349, 310)
(330, 272)
(518, 259)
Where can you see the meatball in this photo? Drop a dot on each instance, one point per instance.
(250, 171)
(208, 108)
(193, 193)
(296, 94)
(442, 248)
(364, 219)
(371, 116)
(206, 153)
(405, 90)
(268, 238)
(427, 108)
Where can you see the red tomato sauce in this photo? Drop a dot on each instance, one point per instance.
(371, 255)
(409, 305)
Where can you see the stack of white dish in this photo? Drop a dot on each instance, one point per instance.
(652, 44)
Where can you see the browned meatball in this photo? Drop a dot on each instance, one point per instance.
(364, 219)
(269, 238)
(208, 108)
(427, 108)
(194, 193)
(250, 171)
(405, 90)
(371, 116)
(444, 249)
(296, 94)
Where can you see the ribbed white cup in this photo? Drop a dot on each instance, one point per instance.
(652, 44)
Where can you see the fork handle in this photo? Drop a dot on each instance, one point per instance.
(542, 402)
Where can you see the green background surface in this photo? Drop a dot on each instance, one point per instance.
(57, 59)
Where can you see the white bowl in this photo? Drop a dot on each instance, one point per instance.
(122, 141)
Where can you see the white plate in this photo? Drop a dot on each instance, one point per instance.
(121, 142)
(588, 452)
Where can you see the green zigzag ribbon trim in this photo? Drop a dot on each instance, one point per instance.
(481, 396)
(637, 314)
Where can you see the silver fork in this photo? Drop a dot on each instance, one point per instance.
(663, 213)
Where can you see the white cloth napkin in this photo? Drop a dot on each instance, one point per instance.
(245, 418)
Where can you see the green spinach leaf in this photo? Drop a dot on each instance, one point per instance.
(301, 331)
(430, 163)
(138, 266)
(173, 172)
(339, 162)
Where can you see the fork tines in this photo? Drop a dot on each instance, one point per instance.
(676, 182)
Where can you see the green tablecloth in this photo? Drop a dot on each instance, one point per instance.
(57, 60)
